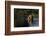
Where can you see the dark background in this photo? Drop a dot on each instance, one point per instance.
(20, 15)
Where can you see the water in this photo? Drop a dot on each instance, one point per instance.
(35, 22)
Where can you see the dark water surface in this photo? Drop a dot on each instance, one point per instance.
(35, 22)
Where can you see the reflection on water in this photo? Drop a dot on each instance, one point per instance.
(35, 22)
(24, 23)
